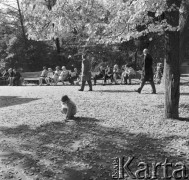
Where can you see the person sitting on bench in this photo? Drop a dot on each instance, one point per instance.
(5, 74)
(5, 77)
(115, 73)
(123, 74)
(56, 75)
(43, 75)
(16, 78)
(11, 77)
(159, 73)
(108, 74)
(129, 73)
(49, 78)
(64, 76)
(74, 76)
(100, 74)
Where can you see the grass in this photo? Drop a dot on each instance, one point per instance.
(112, 121)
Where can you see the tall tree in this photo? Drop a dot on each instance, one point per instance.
(172, 61)
(89, 21)
(162, 17)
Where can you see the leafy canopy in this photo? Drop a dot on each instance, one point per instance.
(85, 21)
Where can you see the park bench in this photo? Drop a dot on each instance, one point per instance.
(3, 82)
(184, 79)
(33, 77)
(30, 77)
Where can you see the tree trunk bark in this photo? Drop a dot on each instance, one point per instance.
(172, 64)
(21, 22)
(172, 75)
(136, 59)
(25, 64)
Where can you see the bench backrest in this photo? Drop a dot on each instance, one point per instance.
(31, 74)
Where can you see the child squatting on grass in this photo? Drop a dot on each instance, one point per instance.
(68, 107)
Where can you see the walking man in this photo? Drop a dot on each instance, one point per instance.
(86, 71)
(147, 72)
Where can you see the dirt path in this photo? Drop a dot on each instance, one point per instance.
(112, 121)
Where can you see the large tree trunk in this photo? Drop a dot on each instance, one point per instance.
(172, 75)
(172, 64)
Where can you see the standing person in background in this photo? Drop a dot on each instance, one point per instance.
(16, 78)
(86, 71)
(147, 72)
(43, 75)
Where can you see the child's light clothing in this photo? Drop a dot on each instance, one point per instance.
(69, 109)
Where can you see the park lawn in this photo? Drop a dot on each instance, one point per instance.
(112, 121)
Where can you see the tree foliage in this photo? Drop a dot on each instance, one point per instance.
(92, 20)
(84, 23)
(19, 52)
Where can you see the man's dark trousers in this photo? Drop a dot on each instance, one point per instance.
(83, 85)
(151, 83)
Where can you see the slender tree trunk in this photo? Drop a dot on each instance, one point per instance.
(21, 21)
(57, 42)
(25, 61)
(136, 59)
(172, 64)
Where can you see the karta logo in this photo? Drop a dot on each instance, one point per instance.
(122, 169)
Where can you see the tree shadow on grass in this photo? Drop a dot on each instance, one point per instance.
(186, 119)
(182, 106)
(80, 149)
(6, 101)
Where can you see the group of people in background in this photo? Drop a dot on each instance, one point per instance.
(11, 76)
(69, 107)
(125, 74)
(53, 77)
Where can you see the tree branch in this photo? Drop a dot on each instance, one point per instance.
(8, 5)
